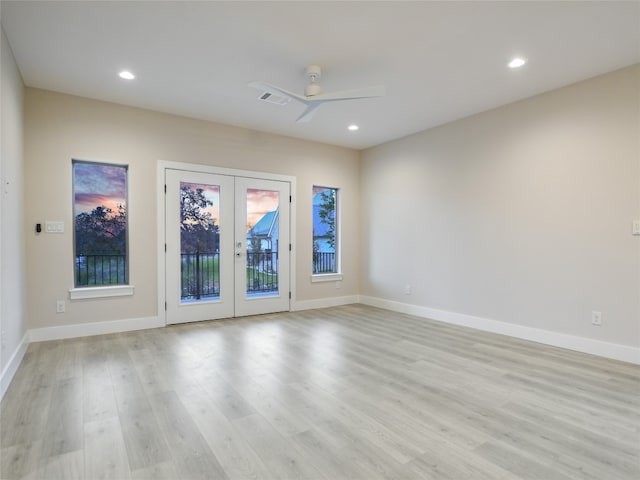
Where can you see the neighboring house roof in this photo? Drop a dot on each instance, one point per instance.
(267, 226)
(320, 229)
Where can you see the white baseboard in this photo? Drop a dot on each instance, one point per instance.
(12, 366)
(325, 302)
(614, 351)
(94, 328)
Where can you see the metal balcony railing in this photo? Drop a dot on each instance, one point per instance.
(96, 270)
(201, 274)
(324, 262)
(262, 272)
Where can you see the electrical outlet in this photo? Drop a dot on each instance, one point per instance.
(338, 284)
(596, 318)
(636, 227)
(60, 306)
(407, 289)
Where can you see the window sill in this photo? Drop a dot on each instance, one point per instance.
(326, 277)
(101, 292)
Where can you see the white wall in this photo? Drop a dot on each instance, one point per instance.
(12, 253)
(60, 127)
(521, 215)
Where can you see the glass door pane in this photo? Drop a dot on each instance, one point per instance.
(199, 242)
(262, 242)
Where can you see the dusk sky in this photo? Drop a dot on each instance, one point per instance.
(97, 184)
(317, 199)
(259, 202)
(211, 193)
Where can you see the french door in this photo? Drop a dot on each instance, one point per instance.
(227, 246)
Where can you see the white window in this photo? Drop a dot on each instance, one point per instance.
(100, 224)
(326, 258)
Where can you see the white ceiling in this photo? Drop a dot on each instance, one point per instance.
(440, 61)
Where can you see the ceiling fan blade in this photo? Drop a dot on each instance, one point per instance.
(367, 92)
(265, 87)
(308, 113)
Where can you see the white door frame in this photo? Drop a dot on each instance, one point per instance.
(163, 165)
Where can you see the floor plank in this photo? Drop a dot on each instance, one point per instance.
(64, 431)
(191, 453)
(279, 454)
(105, 455)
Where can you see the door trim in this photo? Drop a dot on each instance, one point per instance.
(163, 165)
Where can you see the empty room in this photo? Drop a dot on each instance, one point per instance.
(320, 240)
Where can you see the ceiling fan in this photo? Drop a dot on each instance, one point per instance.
(313, 96)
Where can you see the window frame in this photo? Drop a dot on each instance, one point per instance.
(337, 274)
(100, 290)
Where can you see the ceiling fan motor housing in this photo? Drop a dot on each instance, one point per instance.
(312, 90)
(314, 72)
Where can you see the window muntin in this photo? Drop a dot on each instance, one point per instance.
(325, 230)
(100, 224)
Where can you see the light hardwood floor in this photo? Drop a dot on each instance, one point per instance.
(350, 392)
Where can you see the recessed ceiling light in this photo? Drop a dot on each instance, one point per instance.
(127, 75)
(517, 62)
(353, 128)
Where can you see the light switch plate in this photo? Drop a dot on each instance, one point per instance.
(53, 227)
(636, 227)
(61, 306)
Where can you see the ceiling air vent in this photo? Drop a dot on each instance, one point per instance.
(271, 98)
